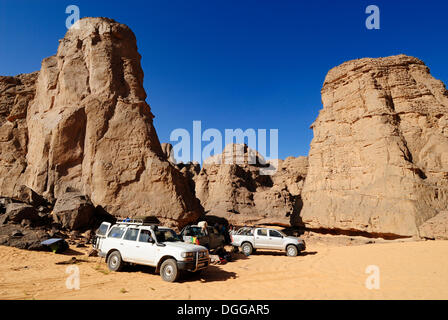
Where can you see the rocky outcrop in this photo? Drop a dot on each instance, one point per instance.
(16, 93)
(73, 211)
(90, 130)
(378, 162)
(18, 212)
(435, 228)
(167, 150)
(230, 186)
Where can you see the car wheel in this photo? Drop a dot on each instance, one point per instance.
(169, 270)
(114, 261)
(247, 249)
(291, 251)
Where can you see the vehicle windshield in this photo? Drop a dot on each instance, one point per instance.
(283, 234)
(193, 231)
(166, 235)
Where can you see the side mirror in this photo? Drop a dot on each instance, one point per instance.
(151, 240)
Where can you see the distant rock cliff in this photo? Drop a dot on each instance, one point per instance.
(378, 162)
(230, 186)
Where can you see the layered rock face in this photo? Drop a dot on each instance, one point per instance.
(378, 162)
(16, 93)
(90, 130)
(230, 186)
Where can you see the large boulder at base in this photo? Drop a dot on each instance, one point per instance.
(17, 212)
(16, 93)
(90, 129)
(23, 238)
(435, 228)
(378, 161)
(27, 195)
(73, 211)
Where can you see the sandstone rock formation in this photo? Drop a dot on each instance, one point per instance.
(15, 95)
(435, 228)
(378, 162)
(90, 130)
(230, 186)
(167, 150)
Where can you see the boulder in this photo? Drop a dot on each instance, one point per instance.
(27, 195)
(17, 212)
(435, 228)
(378, 162)
(23, 238)
(73, 211)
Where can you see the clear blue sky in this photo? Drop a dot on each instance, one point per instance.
(237, 63)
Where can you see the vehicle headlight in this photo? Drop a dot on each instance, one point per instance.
(187, 254)
(203, 254)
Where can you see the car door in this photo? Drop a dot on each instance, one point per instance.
(261, 238)
(145, 248)
(129, 244)
(100, 234)
(275, 239)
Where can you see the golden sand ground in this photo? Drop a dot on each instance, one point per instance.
(408, 270)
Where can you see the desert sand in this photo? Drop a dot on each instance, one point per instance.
(408, 270)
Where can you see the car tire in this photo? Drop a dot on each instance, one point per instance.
(114, 261)
(292, 251)
(247, 249)
(169, 271)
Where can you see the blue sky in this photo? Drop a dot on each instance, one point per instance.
(237, 64)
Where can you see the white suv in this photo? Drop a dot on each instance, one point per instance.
(131, 241)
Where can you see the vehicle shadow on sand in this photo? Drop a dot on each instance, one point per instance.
(72, 252)
(211, 274)
(281, 253)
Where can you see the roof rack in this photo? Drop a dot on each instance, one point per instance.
(131, 221)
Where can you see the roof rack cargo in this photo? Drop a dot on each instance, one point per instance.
(132, 221)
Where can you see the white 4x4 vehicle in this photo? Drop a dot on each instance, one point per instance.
(250, 239)
(131, 241)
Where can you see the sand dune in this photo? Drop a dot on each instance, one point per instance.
(408, 270)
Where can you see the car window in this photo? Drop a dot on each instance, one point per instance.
(194, 232)
(273, 233)
(145, 236)
(262, 232)
(131, 234)
(166, 235)
(116, 232)
(103, 229)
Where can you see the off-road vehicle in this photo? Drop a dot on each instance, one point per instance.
(249, 239)
(134, 242)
